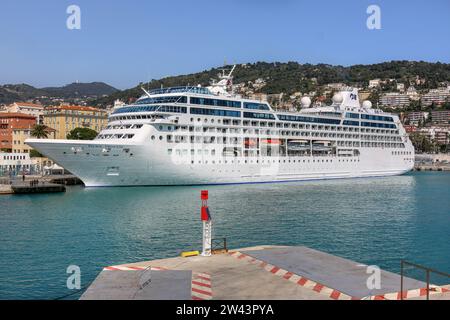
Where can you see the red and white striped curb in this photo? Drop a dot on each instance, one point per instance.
(333, 293)
(201, 287)
(294, 278)
(414, 293)
(131, 268)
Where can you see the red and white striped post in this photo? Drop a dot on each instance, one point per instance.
(207, 224)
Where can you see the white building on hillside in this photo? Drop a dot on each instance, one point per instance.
(394, 100)
(436, 96)
(375, 83)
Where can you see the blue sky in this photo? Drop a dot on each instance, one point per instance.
(125, 42)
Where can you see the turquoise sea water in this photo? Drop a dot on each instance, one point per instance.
(374, 221)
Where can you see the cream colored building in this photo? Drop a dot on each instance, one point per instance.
(66, 118)
(19, 135)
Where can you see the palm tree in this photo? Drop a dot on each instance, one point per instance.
(39, 131)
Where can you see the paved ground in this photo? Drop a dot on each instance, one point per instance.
(143, 285)
(344, 275)
(231, 278)
(235, 278)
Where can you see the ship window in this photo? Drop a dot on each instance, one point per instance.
(376, 117)
(256, 106)
(169, 99)
(215, 112)
(308, 119)
(215, 102)
(161, 108)
(378, 125)
(350, 123)
(259, 115)
(352, 115)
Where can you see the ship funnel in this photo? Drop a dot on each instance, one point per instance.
(347, 99)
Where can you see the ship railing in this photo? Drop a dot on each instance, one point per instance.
(428, 272)
(219, 245)
(181, 89)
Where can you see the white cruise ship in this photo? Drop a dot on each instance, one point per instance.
(208, 135)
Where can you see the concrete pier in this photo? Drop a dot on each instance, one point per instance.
(432, 168)
(66, 179)
(40, 187)
(263, 272)
(6, 189)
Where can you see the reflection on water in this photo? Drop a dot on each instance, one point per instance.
(375, 221)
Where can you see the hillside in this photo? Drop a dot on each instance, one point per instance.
(293, 77)
(23, 92)
(18, 92)
(81, 90)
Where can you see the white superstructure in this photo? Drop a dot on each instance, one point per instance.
(199, 135)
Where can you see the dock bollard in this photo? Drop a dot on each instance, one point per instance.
(207, 224)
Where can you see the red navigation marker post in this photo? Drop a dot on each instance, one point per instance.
(207, 224)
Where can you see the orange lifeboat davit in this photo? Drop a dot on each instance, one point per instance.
(271, 141)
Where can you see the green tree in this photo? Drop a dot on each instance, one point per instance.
(82, 134)
(34, 153)
(39, 131)
(422, 143)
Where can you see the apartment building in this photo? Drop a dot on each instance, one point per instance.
(66, 118)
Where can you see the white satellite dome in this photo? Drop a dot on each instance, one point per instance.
(306, 102)
(338, 98)
(367, 104)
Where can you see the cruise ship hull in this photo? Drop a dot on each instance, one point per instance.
(126, 164)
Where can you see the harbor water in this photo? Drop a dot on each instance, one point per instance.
(374, 221)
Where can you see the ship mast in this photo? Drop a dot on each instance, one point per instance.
(225, 82)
